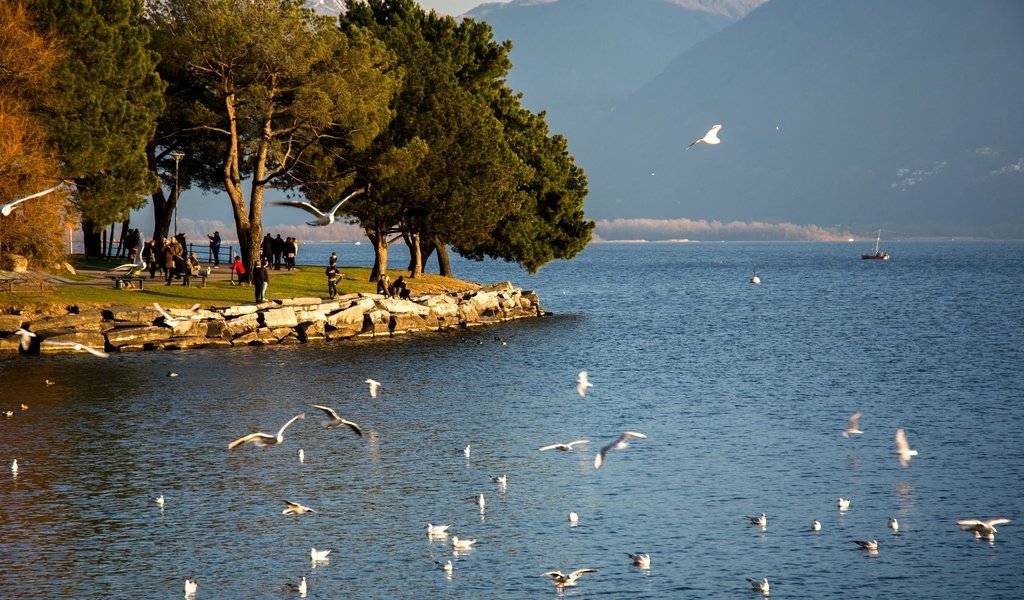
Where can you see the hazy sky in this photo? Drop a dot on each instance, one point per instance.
(453, 7)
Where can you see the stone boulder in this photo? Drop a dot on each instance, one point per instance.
(136, 336)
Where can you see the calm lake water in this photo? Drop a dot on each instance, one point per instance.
(741, 389)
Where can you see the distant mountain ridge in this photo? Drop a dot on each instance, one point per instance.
(733, 9)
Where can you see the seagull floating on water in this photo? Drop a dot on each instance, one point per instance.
(160, 501)
(843, 503)
(760, 586)
(265, 440)
(573, 517)
(294, 508)
(501, 480)
(869, 545)
(14, 466)
(582, 383)
(322, 219)
(318, 555)
(760, 520)
(467, 450)
(619, 444)
(562, 447)
(903, 448)
(336, 420)
(562, 580)
(458, 544)
(437, 530)
(76, 346)
(640, 559)
(981, 528)
(26, 338)
(711, 137)
(894, 524)
(191, 586)
(815, 525)
(299, 587)
(851, 429)
(445, 566)
(302, 455)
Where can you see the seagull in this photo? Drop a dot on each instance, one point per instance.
(501, 480)
(640, 559)
(77, 346)
(903, 448)
(302, 455)
(979, 527)
(760, 586)
(582, 383)
(26, 338)
(815, 525)
(5, 209)
(8, 413)
(445, 566)
(160, 501)
(191, 586)
(299, 587)
(869, 545)
(322, 219)
(263, 439)
(374, 384)
(761, 520)
(294, 508)
(49, 382)
(562, 447)
(171, 321)
(458, 544)
(711, 137)
(619, 444)
(573, 517)
(851, 429)
(843, 503)
(172, 374)
(563, 580)
(318, 555)
(337, 421)
(14, 466)
(466, 450)
(24, 406)
(437, 530)
(894, 524)
(478, 500)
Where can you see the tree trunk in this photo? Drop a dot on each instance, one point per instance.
(122, 242)
(444, 266)
(380, 254)
(415, 255)
(92, 241)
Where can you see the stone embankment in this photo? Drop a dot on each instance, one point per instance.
(288, 321)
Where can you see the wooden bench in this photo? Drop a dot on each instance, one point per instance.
(127, 281)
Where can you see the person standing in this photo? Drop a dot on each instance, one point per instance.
(289, 253)
(149, 257)
(260, 280)
(215, 248)
(237, 268)
(278, 247)
(266, 248)
(332, 276)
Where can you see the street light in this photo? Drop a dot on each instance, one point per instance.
(177, 156)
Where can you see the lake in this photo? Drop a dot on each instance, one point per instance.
(742, 391)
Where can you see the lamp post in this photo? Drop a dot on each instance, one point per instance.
(177, 156)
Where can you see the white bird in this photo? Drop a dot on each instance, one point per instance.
(815, 525)
(302, 455)
(445, 566)
(562, 447)
(294, 508)
(894, 524)
(760, 520)
(869, 545)
(374, 385)
(191, 586)
(573, 517)
(619, 444)
(299, 587)
(843, 503)
(980, 528)
(903, 448)
(711, 137)
(851, 429)
(265, 440)
(322, 219)
(458, 544)
(14, 466)
(501, 480)
(640, 559)
(26, 338)
(171, 321)
(302, 587)
(5, 209)
(336, 420)
(318, 555)
(760, 586)
(582, 383)
(467, 450)
(478, 500)
(76, 346)
(160, 501)
(562, 580)
(437, 530)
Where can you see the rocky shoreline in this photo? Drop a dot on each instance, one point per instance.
(287, 321)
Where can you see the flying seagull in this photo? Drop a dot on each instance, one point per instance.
(852, 429)
(759, 586)
(336, 421)
(374, 384)
(171, 321)
(562, 580)
(294, 508)
(903, 448)
(980, 528)
(619, 444)
(711, 137)
(322, 219)
(5, 209)
(76, 346)
(265, 440)
(582, 383)
(562, 447)
(26, 337)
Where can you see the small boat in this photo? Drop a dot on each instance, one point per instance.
(878, 254)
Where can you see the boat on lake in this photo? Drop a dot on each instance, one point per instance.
(878, 254)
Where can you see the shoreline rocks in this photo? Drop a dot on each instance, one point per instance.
(287, 321)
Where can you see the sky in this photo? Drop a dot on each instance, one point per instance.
(453, 7)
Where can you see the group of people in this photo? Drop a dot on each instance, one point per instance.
(399, 288)
(171, 259)
(276, 249)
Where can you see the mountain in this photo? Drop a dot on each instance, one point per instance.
(577, 59)
(904, 115)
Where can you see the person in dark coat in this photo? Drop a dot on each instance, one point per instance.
(215, 248)
(278, 248)
(260, 280)
(332, 276)
(267, 247)
(290, 248)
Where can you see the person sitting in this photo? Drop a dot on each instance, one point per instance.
(191, 268)
(237, 268)
(401, 288)
(384, 286)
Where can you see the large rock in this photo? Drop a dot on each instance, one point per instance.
(279, 317)
(129, 336)
(130, 316)
(243, 324)
(8, 323)
(312, 330)
(14, 262)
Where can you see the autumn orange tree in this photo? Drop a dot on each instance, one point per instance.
(27, 165)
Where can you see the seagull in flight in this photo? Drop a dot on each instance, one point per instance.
(26, 337)
(711, 137)
(851, 429)
(980, 528)
(294, 508)
(76, 346)
(374, 385)
(562, 447)
(171, 321)
(903, 448)
(562, 580)
(5, 209)
(322, 219)
(582, 383)
(759, 586)
(265, 440)
(619, 444)
(336, 420)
